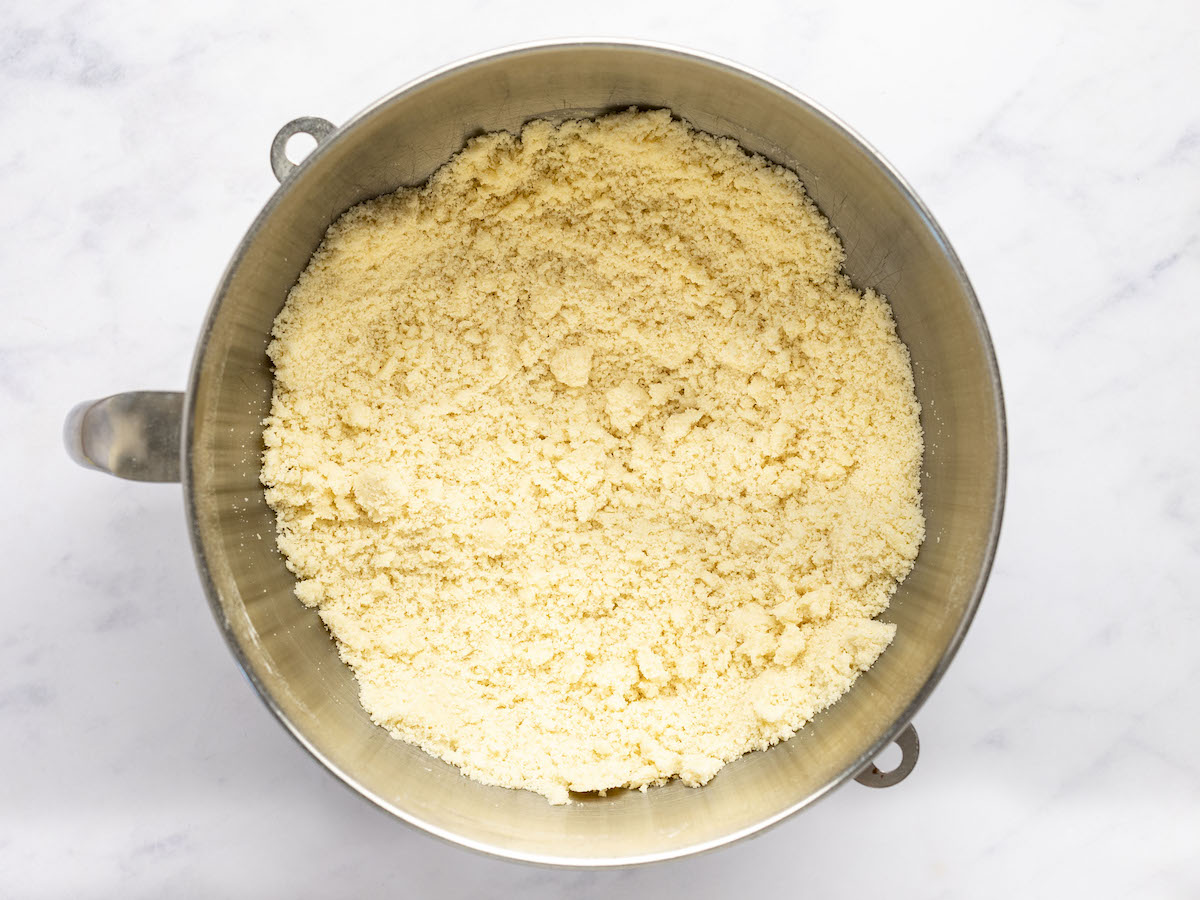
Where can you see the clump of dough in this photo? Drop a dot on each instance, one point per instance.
(571, 365)
(592, 460)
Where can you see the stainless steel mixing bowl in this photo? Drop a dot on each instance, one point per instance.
(211, 438)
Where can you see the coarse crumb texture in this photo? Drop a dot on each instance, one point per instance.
(592, 460)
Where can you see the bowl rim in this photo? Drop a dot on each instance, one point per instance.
(191, 500)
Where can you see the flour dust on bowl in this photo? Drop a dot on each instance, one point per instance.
(212, 437)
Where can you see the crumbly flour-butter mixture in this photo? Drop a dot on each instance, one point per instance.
(592, 460)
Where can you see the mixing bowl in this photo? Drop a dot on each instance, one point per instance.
(210, 437)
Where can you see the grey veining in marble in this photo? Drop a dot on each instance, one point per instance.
(1059, 145)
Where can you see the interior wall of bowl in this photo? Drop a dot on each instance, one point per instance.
(890, 246)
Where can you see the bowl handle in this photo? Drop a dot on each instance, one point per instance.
(910, 748)
(134, 435)
(315, 127)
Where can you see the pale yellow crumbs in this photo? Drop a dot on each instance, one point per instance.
(592, 460)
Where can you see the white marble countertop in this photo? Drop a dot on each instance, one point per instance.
(1059, 145)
